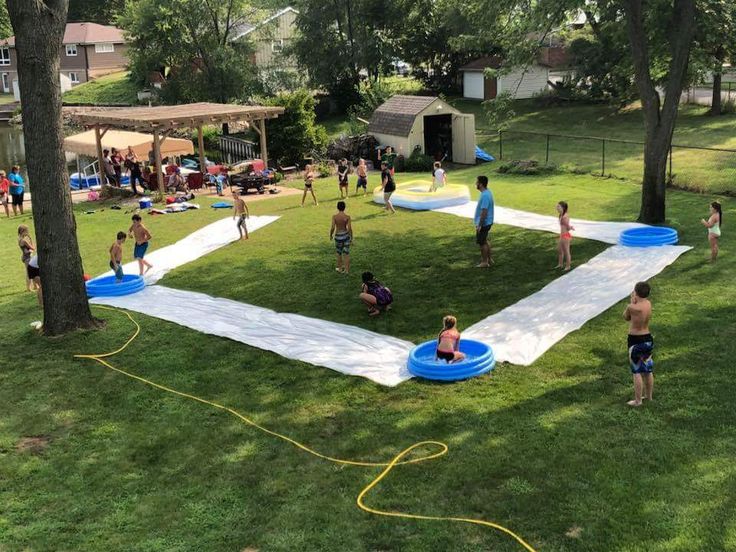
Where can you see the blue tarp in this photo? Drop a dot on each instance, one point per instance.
(483, 155)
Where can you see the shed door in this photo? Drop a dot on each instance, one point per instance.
(489, 88)
(463, 139)
(473, 85)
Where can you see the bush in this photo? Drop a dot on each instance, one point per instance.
(400, 163)
(728, 107)
(323, 169)
(525, 168)
(418, 162)
(294, 134)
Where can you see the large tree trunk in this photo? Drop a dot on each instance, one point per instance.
(39, 28)
(659, 117)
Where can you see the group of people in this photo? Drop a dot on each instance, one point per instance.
(142, 236)
(12, 191)
(115, 165)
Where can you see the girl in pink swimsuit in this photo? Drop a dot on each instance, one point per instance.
(563, 246)
(448, 341)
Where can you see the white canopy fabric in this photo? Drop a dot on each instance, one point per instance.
(85, 144)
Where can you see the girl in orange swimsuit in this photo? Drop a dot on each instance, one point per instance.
(448, 341)
(564, 256)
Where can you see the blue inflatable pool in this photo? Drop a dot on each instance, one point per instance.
(479, 359)
(106, 286)
(648, 236)
(80, 182)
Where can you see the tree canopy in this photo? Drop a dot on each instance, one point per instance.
(95, 11)
(195, 44)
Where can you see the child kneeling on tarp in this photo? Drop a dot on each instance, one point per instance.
(375, 295)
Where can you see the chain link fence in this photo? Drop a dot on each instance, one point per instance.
(695, 168)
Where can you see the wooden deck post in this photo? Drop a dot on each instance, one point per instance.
(100, 161)
(264, 145)
(157, 154)
(200, 145)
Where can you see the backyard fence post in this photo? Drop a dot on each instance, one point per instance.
(500, 144)
(603, 158)
(546, 157)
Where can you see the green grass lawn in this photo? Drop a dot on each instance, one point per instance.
(699, 170)
(110, 89)
(549, 450)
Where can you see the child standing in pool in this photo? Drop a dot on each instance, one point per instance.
(309, 184)
(448, 341)
(564, 256)
(142, 235)
(713, 224)
(375, 295)
(116, 257)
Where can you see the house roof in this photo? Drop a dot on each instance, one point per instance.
(84, 33)
(246, 28)
(481, 64)
(396, 116)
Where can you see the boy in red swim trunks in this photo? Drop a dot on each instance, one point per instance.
(640, 343)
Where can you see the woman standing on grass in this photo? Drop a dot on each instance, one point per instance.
(26, 251)
(309, 184)
(564, 257)
(713, 224)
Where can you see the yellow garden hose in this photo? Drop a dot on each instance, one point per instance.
(398, 460)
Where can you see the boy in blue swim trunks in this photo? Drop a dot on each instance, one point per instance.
(116, 257)
(342, 230)
(142, 235)
(640, 343)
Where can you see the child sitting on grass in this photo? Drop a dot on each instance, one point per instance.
(448, 341)
(375, 295)
(116, 257)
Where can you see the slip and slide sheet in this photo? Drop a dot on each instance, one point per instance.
(519, 334)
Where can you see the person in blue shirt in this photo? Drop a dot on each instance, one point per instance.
(17, 189)
(483, 221)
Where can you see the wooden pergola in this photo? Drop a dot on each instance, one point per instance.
(161, 121)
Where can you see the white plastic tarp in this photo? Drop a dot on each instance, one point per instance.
(607, 232)
(347, 349)
(521, 333)
(195, 245)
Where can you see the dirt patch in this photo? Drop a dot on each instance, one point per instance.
(574, 532)
(35, 445)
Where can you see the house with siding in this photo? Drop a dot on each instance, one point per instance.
(270, 36)
(519, 82)
(88, 51)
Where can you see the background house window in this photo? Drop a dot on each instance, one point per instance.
(105, 48)
(277, 45)
(74, 77)
(71, 50)
(4, 56)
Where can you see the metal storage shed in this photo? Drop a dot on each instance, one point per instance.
(427, 123)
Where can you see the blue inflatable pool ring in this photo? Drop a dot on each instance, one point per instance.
(222, 205)
(106, 286)
(648, 236)
(479, 359)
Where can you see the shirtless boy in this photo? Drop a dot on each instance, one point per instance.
(362, 177)
(241, 213)
(342, 230)
(640, 343)
(142, 235)
(116, 257)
